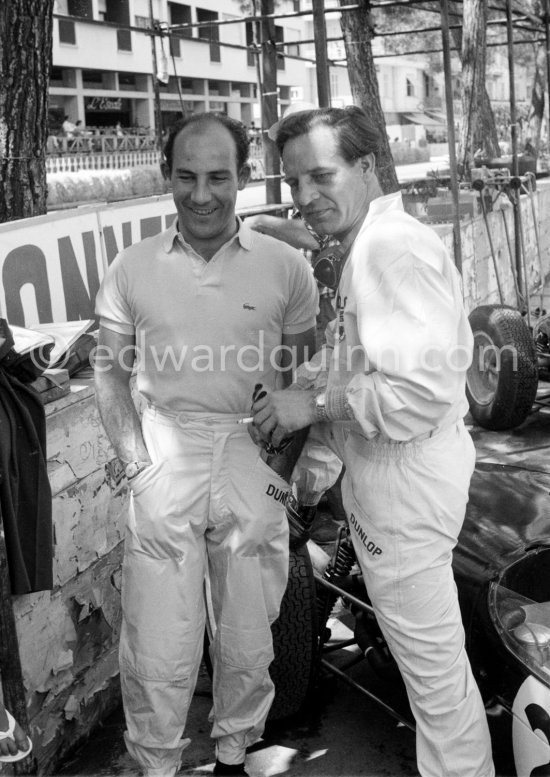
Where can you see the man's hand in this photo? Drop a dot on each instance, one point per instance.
(280, 413)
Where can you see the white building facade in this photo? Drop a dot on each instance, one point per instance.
(103, 63)
(412, 98)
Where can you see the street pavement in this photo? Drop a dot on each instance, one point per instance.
(341, 734)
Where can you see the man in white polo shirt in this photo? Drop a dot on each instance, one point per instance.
(210, 309)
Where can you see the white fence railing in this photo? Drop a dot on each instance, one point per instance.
(113, 161)
(72, 163)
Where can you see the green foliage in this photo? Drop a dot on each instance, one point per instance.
(103, 185)
(409, 20)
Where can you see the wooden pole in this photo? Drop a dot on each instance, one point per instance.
(158, 111)
(516, 202)
(451, 131)
(13, 687)
(322, 67)
(511, 78)
(546, 20)
(269, 104)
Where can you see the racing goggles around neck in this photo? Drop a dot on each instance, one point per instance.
(329, 264)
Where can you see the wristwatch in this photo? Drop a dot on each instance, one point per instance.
(135, 467)
(320, 406)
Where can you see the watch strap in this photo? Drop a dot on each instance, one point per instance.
(320, 406)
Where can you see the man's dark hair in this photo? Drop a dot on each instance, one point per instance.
(357, 136)
(236, 128)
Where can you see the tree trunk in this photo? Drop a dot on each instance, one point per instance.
(481, 133)
(25, 61)
(486, 136)
(474, 16)
(358, 33)
(536, 110)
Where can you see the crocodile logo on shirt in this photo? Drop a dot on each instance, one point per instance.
(247, 306)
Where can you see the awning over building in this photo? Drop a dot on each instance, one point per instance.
(422, 118)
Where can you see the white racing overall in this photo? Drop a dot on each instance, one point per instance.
(208, 504)
(405, 504)
(401, 344)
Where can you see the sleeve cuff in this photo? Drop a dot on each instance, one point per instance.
(336, 404)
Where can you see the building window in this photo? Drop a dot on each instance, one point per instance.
(410, 88)
(117, 11)
(174, 47)
(186, 85)
(294, 49)
(60, 76)
(144, 22)
(124, 40)
(243, 89)
(127, 82)
(82, 8)
(97, 79)
(210, 32)
(218, 88)
(67, 32)
(178, 14)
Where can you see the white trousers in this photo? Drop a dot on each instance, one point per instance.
(208, 506)
(406, 504)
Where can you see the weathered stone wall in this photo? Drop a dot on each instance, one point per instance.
(69, 637)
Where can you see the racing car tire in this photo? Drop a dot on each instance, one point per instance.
(295, 639)
(501, 383)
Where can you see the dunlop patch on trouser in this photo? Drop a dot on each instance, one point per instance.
(370, 546)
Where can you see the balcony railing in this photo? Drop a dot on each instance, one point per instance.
(91, 143)
(102, 152)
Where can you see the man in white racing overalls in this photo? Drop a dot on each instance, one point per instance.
(210, 309)
(393, 410)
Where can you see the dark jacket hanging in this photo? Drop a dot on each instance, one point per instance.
(25, 495)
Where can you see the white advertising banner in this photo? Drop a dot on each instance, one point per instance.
(122, 224)
(51, 266)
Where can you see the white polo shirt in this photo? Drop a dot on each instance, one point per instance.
(402, 337)
(207, 332)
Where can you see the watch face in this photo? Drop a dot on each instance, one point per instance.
(134, 468)
(131, 469)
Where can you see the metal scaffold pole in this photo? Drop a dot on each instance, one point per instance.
(158, 112)
(322, 67)
(546, 20)
(269, 104)
(451, 131)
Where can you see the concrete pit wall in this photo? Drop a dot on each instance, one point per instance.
(68, 637)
